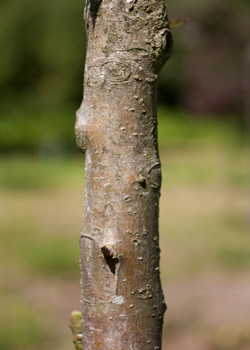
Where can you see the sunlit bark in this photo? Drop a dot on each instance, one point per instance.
(116, 127)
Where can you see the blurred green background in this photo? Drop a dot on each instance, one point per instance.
(203, 134)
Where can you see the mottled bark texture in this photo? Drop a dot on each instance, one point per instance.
(122, 299)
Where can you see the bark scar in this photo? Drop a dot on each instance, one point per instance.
(111, 257)
(91, 10)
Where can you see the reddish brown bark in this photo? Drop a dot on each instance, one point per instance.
(122, 299)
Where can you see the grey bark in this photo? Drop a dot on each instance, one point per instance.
(116, 127)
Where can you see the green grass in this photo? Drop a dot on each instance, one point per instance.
(203, 223)
(21, 325)
(29, 173)
(231, 339)
(56, 256)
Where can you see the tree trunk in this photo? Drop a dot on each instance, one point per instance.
(122, 299)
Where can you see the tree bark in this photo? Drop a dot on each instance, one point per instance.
(122, 300)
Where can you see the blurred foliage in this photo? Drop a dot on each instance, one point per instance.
(42, 49)
(30, 129)
(209, 62)
(42, 61)
(51, 133)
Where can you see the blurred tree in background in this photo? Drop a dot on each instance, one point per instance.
(42, 58)
(41, 52)
(209, 54)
